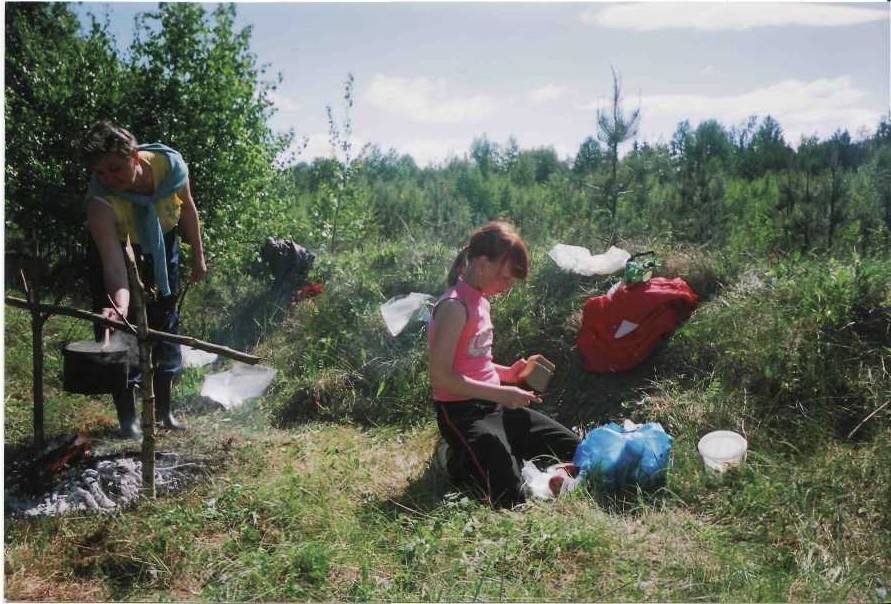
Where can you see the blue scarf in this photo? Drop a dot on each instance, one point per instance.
(148, 225)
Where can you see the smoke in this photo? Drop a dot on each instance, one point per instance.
(121, 340)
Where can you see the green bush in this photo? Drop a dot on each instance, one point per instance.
(338, 362)
(802, 341)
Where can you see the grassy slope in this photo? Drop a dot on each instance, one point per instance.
(337, 500)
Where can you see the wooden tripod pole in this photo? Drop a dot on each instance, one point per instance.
(147, 385)
(37, 320)
(154, 334)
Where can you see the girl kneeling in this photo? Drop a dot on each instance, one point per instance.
(487, 423)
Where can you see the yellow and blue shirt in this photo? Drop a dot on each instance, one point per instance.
(168, 208)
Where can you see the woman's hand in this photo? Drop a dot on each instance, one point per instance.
(199, 269)
(112, 314)
(101, 222)
(513, 397)
(190, 227)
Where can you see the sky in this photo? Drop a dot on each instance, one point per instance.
(431, 77)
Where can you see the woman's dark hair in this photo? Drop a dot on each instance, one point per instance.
(495, 241)
(105, 137)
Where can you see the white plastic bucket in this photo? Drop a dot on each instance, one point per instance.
(722, 450)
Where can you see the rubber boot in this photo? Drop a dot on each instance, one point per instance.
(125, 404)
(163, 413)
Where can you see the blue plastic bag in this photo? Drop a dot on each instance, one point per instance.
(617, 456)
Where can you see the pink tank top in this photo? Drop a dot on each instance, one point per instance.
(473, 355)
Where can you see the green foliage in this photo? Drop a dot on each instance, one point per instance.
(346, 364)
(56, 83)
(199, 89)
(588, 158)
(340, 212)
(761, 148)
(189, 80)
(614, 127)
(803, 341)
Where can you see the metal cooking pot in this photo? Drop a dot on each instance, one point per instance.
(90, 367)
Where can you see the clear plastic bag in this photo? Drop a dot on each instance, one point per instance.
(233, 387)
(192, 357)
(399, 310)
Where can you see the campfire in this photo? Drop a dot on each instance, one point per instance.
(66, 477)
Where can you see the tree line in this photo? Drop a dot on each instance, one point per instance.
(744, 187)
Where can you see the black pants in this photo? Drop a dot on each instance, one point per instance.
(490, 442)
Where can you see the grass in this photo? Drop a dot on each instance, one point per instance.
(324, 489)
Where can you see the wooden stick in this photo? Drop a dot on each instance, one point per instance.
(120, 314)
(153, 334)
(867, 418)
(37, 321)
(147, 385)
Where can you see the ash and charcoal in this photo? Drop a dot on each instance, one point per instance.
(102, 485)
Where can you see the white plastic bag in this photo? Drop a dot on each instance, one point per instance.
(192, 357)
(579, 260)
(233, 387)
(547, 484)
(398, 310)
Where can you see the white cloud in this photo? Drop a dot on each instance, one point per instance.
(318, 144)
(283, 103)
(427, 152)
(428, 101)
(815, 107)
(549, 92)
(650, 16)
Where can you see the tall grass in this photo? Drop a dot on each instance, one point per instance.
(325, 488)
(799, 347)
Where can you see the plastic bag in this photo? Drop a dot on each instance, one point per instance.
(398, 310)
(616, 456)
(640, 267)
(579, 260)
(233, 387)
(192, 357)
(557, 479)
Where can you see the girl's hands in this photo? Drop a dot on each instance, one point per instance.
(513, 397)
(515, 370)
